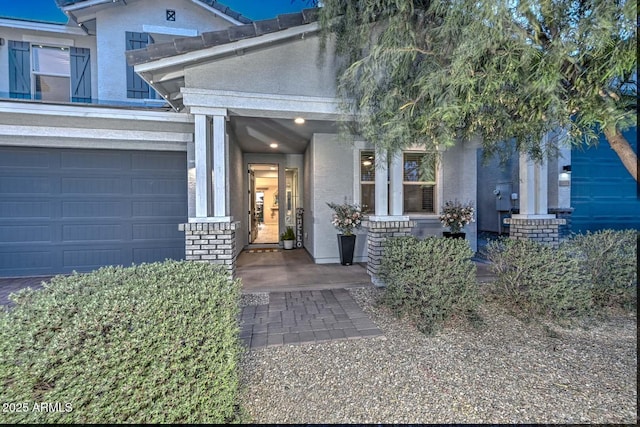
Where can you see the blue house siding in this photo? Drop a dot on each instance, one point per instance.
(603, 193)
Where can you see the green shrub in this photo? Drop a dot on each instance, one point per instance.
(429, 280)
(540, 279)
(609, 257)
(154, 343)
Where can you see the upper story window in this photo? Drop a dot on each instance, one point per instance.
(49, 73)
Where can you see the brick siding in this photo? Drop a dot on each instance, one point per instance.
(541, 230)
(378, 232)
(213, 242)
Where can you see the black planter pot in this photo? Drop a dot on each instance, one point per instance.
(451, 235)
(346, 244)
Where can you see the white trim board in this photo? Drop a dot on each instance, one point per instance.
(93, 112)
(205, 101)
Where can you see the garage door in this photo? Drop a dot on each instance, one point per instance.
(603, 193)
(69, 209)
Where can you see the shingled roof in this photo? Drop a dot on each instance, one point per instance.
(216, 38)
(213, 3)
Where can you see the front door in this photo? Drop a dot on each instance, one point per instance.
(264, 209)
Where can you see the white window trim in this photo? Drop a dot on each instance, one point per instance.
(48, 41)
(359, 147)
(437, 184)
(34, 73)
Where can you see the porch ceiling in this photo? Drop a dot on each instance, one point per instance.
(255, 134)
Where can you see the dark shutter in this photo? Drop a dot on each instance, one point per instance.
(19, 70)
(136, 86)
(80, 75)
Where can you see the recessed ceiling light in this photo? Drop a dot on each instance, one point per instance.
(298, 121)
(366, 163)
(273, 145)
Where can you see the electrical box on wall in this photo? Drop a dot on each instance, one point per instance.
(502, 194)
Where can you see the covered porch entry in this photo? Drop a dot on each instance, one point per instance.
(272, 270)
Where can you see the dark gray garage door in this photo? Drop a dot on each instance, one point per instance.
(71, 209)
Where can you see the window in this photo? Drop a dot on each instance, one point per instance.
(418, 195)
(367, 181)
(49, 73)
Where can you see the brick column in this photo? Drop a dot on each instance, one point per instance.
(213, 242)
(564, 230)
(378, 232)
(545, 230)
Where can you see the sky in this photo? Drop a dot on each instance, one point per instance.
(47, 10)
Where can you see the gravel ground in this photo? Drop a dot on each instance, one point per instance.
(505, 371)
(256, 298)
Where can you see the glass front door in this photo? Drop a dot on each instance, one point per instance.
(264, 209)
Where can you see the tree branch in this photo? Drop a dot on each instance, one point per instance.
(623, 149)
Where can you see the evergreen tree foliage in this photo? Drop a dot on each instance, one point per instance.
(496, 71)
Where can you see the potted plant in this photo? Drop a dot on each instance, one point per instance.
(288, 237)
(346, 217)
(455, 215)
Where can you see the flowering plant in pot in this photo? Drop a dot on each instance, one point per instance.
(346, 217)
(455, 215)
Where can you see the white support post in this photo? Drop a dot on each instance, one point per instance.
(533, 189)
(203, 162)
(395, 182)
(221, 167)
(382, 190)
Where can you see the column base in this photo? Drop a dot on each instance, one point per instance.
(378, 232)
(211, 219)
(564, 230)
(212, 242)
(545, 230)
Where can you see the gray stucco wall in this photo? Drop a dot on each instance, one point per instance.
(459, 175)
(332, 181)
(112, 23)
(291, 69)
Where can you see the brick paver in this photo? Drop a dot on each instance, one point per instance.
(305, 317)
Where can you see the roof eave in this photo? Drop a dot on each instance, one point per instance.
(162, 72)
(218, 13)
(40, 26)
(213, 52)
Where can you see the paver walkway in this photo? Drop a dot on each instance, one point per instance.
(305, 317)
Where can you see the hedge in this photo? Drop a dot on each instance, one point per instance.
(609, 259)
(429, 280)
(153, 343)
(539, 279)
